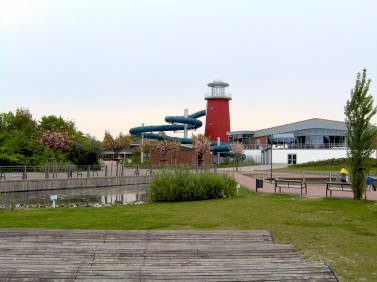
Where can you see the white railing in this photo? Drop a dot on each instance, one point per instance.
(225, 95)
(296, 146)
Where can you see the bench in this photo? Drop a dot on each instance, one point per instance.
(283, 183)
(337, 186)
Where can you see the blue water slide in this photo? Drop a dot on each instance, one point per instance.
(178, 123)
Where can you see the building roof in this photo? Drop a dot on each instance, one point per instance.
(240, 132)
(218, 83)
(301, 125)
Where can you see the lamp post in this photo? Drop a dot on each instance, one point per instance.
(271, 157)
(142, 141)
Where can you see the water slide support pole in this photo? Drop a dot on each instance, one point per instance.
(218, 154)
(185, 134)
(142, 153)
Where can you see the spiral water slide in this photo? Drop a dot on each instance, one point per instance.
(178, 123)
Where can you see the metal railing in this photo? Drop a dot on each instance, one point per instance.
(86, 171)
(296, 146)
(225, 95)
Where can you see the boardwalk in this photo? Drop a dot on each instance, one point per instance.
(75, 255)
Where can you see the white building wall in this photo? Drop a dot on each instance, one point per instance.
(302, 155)
(307, 155)
(256, 155)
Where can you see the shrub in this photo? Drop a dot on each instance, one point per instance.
(182, 185)
(11, 159)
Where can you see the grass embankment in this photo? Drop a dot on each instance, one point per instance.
(339, 232)
(318, 168)
(310, 168)
(326, 165)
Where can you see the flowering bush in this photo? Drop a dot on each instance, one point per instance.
(201, 145)
(238, 149)
(55, 140)
(164, 146)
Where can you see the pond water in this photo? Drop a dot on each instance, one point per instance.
(101, 195)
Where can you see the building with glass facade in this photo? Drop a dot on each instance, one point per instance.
(297, 142)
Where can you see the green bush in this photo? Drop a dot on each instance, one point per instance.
(11, 159)
(182, 185)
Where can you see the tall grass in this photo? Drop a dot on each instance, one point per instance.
(183, 185)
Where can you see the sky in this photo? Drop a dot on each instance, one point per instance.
(115, 64)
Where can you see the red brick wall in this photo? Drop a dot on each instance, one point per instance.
(263, 142)
(182, 157)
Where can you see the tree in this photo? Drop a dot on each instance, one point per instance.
(361, 135)
(116, 145)
(163, 147)
(23, 118)
(146, 148)
(54, 123)
(201, 146)
(57, 141)
(20, 137)
(84, 150)
(237, 150)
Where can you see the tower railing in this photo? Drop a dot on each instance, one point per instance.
(225, 95)
(328, 146)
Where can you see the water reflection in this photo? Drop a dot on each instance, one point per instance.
(103, 195)
(124, 198)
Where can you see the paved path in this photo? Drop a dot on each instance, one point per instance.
(314, 190)
(76, 255)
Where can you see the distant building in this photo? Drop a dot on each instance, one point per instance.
(123, 154)
(298, 142)
(185, 156)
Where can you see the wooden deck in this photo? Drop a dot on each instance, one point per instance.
(76, 255)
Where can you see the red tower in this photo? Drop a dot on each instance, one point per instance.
(217, 118)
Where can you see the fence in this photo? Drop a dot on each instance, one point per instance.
(83, 171)
(340, 146)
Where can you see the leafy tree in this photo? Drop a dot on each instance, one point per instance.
(84, 150)
(20, 142)
(23, 118)
(361, 135)
(135, 158)
(146, 148)
(115, 144)
(6, 121)
(54, 123)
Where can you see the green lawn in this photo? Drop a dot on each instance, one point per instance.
(317, 168)
(312, 168)
(339, 232)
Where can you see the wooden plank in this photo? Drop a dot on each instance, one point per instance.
(72, 255)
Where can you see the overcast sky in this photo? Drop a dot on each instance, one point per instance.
(116, 64)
